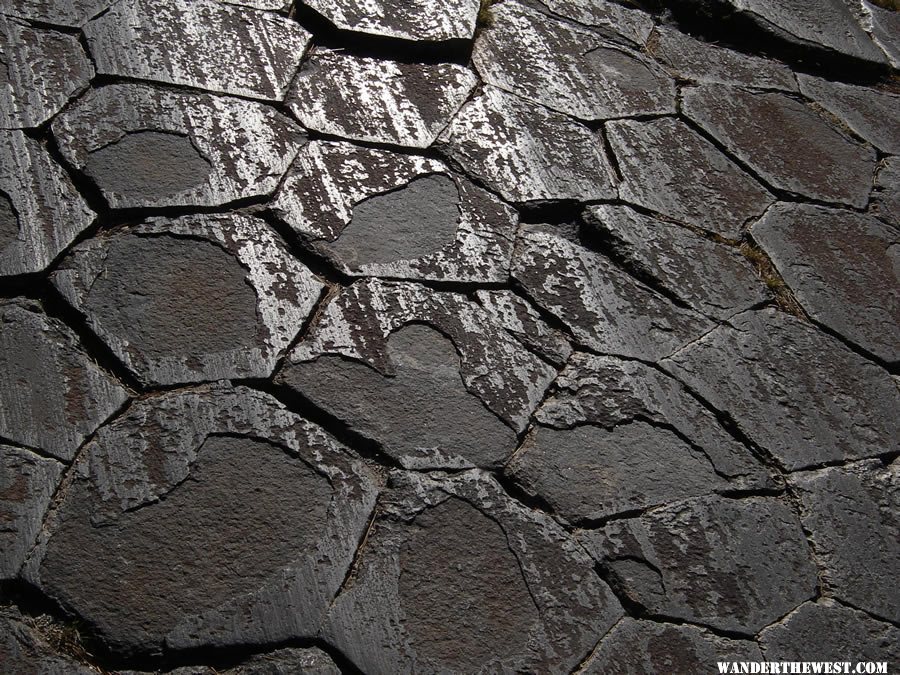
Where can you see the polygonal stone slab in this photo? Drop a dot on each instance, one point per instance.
(150, 147)
(735, 565)
(712, 278)
(614, 20)
(379, 213)
(605, 308)
(40, 70)
(568, 69)
(420, 20)
(366, 99)
(870, 113)
(27, 484)
(828, 631)
(842, 267)
(457, 577)
(41, 213)
(762, 128)
(25, 650)
(426, 374)
(199, 43)
(667, 167)
(887, 190)
(642, 647)
(70, 13)
(235, 528)
(52, 395)
(883, 26)
(527, 152)
(792, 389)
(690, 59)
(851, 513)
(191, 299)
(616, 436)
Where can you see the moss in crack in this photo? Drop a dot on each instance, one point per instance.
(485, 15)
(888, 4)
(782, 294)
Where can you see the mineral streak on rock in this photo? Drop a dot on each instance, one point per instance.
(828, 165)
(39, 71)
(457, 577)
(146, 291)
(883, 27)
(235, 529)
(604, 307)
(793, 390)
(67, 13)
(734, 565)
(150, 147)
(568, 69)
(379, 213)
(614, 20)
(669, 168)
(419, 20)
(527, 152)
(52, 395)
(843, 267)
(376, 100)
(41, 213)
(199, 43)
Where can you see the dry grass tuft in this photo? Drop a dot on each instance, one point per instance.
(888, 4)
(772, 279)
(64, 638)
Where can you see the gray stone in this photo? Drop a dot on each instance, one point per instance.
(883, 26)
(712, 278)
(52, 395)
(868, 112)
(735, 565)
(616, 21)
(635, 647)
(199, 43)
(25, 647)
(150, 147)
(792, 389)
(237, 528)
(605, 308)
(27, 484)
(421, 20)
(40, 70)
(41, 213)
(669, 168)
(289, 661)
(690, 59)
(762, 129)
(367, 99)
(193, 298)
(69, 13)
(455, 576)
(428, 375)
(851, 513)
(887, 190)
(568, 69)
(827, 631)
(843, 268)
(527, 152)
(379, 213)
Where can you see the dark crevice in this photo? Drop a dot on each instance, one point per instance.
(517, 493)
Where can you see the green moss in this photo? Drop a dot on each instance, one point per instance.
(485, 15)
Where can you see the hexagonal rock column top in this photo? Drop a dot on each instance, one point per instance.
(635, 647)
(428, 375)
(52, 395)
(379, 213)
(712, 278)
(43, 69)
(762, 129)
(150, 147)
(27, 484)
(669, 168)
(851, 513)
(237, 528)
(454, 576)
(568, 69)
(376, 100)
(617, 21)
(419, 20)
(732, 564)
(843, 268)
(25, 650)
(617, 436)
(527, 152)
(830, 631)
(41, 213)
(792, 389)
(199, 43)
(70, 13)
(191, 299)
(605, 308)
